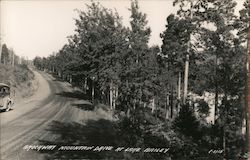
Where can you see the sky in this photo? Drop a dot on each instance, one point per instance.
(40, 27)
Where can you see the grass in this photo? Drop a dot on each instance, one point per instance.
(20, 78)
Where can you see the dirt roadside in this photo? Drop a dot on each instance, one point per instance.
(33, 118)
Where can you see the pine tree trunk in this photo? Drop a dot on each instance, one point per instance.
(85, 85)
(70, 79)
(153, 105)
(93, 92)
(13, 59)
(116, 95)
(128, 112)
(216, 91)
(247, 90)
(171, 102)
(216, 103)
(167, 107)
(111, 94)
(0, 53)
(179, 92)
(185, 88)
(134, 102)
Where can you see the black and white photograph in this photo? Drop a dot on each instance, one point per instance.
(124, 79)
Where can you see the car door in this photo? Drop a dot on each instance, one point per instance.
(5, 101)
(1, 96)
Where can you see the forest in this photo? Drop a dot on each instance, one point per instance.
(163, 95)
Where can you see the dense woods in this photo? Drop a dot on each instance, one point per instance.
(163, 95)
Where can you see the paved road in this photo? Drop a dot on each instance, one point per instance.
(28, 123)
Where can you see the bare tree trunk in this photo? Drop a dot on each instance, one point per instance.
(0, 53)
(179, 92)
(13, 59)
(247, 87)
(185, 88)
(85, 85)
(93, 91)
(179, 86)
(70, 79)
(216, 103)
(116, 95)
(111, 94)
(167, 107)
(59, 74)
(216, 98)
(153, 105)
(172, 102)
(134, 103)
(128, 112)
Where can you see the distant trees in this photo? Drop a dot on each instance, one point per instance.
(38, 62)
(5, 54)
(8, 56)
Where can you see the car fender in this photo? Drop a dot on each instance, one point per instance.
(6, 101)
(10, 100)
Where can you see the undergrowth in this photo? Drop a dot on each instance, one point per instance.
(20, 78)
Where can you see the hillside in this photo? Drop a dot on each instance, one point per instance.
(20, 78)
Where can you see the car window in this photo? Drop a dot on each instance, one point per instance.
(6, 90)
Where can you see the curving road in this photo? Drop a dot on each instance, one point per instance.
(28, 123)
